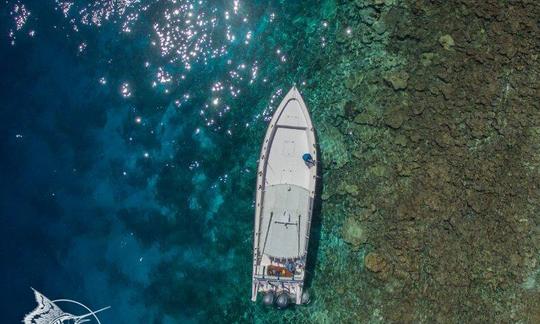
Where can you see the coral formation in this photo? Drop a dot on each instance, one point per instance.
(375, 263)
(446, 41)
(353, 232)
(431, 167)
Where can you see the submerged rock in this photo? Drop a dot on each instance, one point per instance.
(397, 80)
(374, 262)
(378, 170)
(401, 140)
(369, 116)
(447, 42)
(351, 189)
(395, 117)
(426, 59)
(369, 16)
(379, 27)
(353, 233)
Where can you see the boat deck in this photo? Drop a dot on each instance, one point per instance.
(285, 221)
(285, 194)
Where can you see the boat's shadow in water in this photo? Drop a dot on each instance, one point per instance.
(316, 222)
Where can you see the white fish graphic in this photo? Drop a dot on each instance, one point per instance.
(47, 312)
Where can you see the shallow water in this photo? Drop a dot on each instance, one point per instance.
(130, 134)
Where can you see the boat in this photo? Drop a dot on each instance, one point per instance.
(286, 182)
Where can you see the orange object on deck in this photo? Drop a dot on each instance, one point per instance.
(276, 271)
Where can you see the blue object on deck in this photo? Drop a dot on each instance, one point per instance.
(290, 266)
(308, 158)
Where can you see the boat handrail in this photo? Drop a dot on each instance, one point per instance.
(272, 279)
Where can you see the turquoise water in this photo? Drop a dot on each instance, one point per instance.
(130, 133)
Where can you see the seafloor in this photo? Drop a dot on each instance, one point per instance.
(139, 195)
(429, 123)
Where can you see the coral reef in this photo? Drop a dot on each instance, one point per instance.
(429, 114)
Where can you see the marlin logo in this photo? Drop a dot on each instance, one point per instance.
(47, 312)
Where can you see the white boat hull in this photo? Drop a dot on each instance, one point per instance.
(284, 200)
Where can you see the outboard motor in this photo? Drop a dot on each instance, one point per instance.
(268, 298)
(306, 298)
(282, 300)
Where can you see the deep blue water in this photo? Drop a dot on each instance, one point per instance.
(128, 139)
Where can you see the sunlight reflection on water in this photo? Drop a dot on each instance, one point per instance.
(185, 33)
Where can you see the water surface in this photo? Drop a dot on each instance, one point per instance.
(130, 133)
